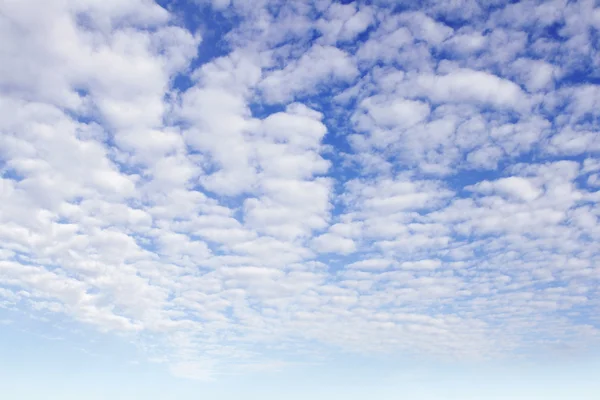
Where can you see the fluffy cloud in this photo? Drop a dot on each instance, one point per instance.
(327, 176)
(320, 65)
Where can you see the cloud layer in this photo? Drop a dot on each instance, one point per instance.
(356, 177)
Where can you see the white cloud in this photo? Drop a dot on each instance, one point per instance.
(466, 43)
(319, 65)
(371, 264)
(535, 74)
(344, 22)
(516, 187)
(332, 243)
(395, 113)
(305, 192)
(467, 85)
(571, 141)
(421, 264)
(425, 28)
(384, 45)
(485, 157)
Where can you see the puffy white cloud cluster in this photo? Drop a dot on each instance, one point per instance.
(344, 177)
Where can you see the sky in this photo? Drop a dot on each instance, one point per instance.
(268, 199)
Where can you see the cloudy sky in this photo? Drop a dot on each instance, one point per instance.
(272, 199)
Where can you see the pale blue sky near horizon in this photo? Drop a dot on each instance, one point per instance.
(45, 368)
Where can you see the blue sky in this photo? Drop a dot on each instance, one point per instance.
(268, 199)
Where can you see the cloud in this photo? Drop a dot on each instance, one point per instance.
(332, 243)
(344, 22)
(321, 177)
(320, 65)
(471, 86)
(517, 187)
(421, 264)
(371, 264)
(397, 113)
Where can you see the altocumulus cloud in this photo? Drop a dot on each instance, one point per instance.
(399, 177)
